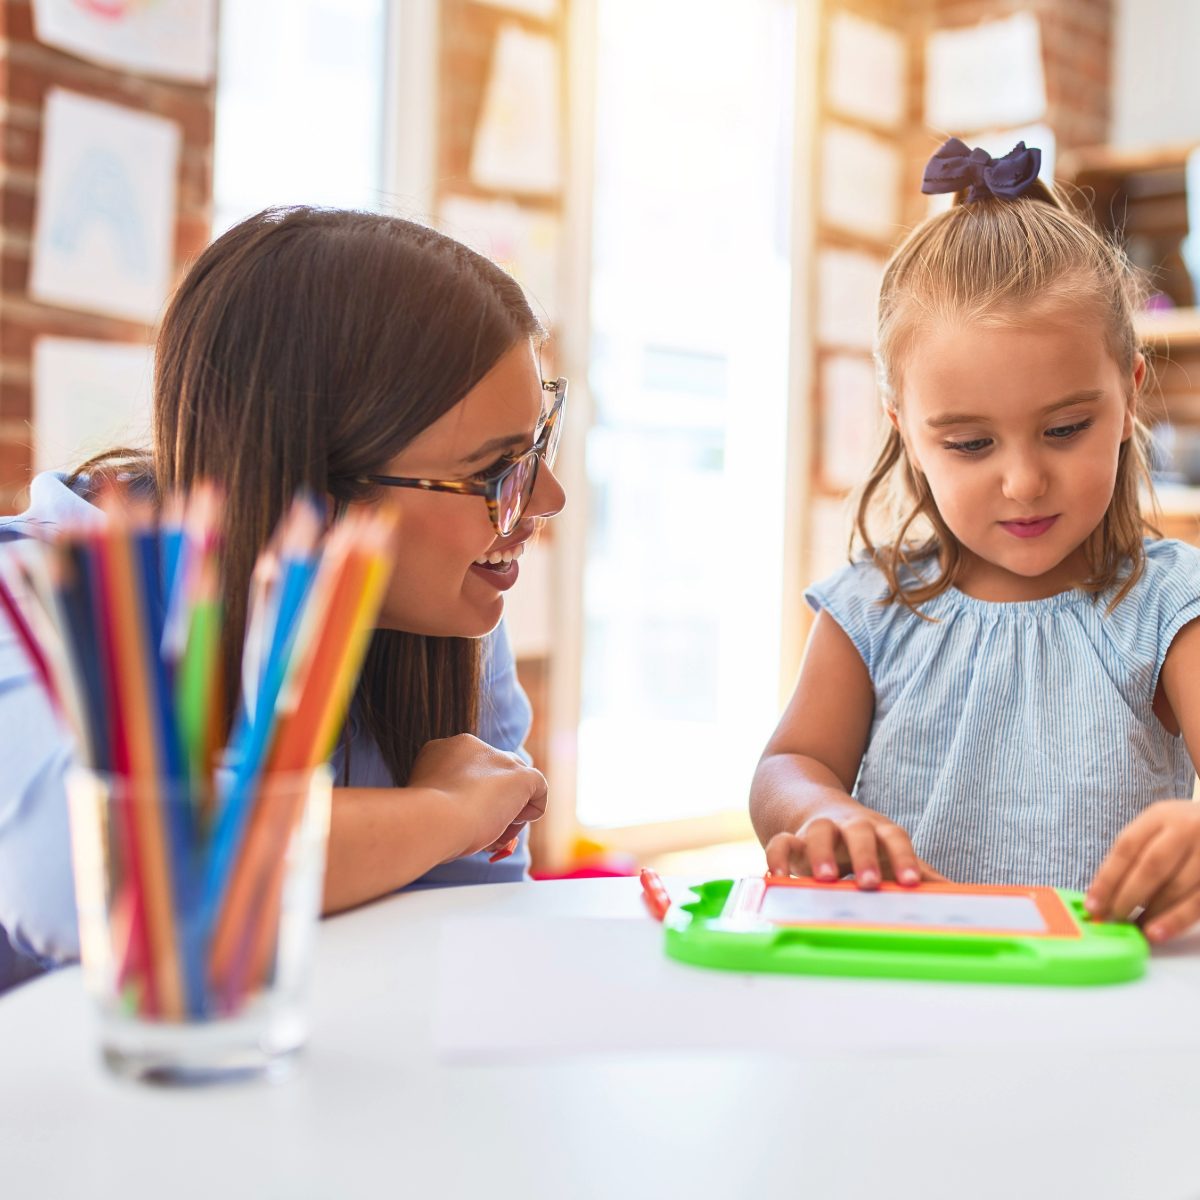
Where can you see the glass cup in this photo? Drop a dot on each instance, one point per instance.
(197, 911)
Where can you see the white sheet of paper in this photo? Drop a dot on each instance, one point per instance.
(860, 182)
(105, 224)
(847, 296)
(524, 241)
(866, 70)
(87, 397)
(517, 143)
(810, 906)
(543, 10)
(986, 76)
(173, 39)
(512, 987)
(851, 419)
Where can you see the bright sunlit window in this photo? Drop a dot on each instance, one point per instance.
(685, 462)
(299, 105)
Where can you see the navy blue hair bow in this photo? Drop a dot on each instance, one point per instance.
(956, 166)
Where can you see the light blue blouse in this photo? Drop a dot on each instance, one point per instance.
(37, 896)
(1015, 741)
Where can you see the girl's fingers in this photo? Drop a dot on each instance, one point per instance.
(859, 836)
(906, 867)
(821, 838)
(1183, 882)
(782, 851)
(1176, 920)
(929, 875)
(1114, 870)
(1155, 866)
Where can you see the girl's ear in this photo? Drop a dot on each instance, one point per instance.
(893, 415)
(1131, 404)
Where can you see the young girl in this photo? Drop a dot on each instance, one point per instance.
(376, 363)
(1005, 688)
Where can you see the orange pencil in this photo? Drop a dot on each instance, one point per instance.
(658, 901)
(333, 635)
(135, 699)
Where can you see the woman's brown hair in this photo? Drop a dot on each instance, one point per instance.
(306, 348)
(1003, 262)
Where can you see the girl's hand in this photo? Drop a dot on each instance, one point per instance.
(854, 838)
(1154, 865)
(492, 794)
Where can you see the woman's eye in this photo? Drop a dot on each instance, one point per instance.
(1060, 433)
(972, 446)
(505, 460)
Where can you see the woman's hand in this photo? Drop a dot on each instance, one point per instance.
(849, 837)
(492, 794)
(1153, 866)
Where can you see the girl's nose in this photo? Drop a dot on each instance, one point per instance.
(1024, 479)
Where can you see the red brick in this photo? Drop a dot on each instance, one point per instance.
(16, 401)
(16, 463)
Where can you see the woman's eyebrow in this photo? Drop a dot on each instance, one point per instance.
(943, 419)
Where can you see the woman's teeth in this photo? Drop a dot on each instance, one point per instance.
(501, 557)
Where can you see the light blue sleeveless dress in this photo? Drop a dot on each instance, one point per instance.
(1015, 741)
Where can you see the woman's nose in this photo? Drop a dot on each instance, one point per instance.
(548, 495)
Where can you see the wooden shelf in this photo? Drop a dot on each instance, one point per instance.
(1170, 328)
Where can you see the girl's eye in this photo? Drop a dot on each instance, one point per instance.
(973, 446)
(1061, 433)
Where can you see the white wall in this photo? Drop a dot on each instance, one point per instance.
(1156, 72)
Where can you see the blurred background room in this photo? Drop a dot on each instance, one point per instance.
(698, 195)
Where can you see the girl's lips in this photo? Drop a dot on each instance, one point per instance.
(1030, 528)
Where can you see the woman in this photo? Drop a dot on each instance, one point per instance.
(378, 363)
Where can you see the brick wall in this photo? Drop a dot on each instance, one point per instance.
(1076, 56)
(27, 70)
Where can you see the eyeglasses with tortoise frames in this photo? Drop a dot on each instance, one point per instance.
(507, 491)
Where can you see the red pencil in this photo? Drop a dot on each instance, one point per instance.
(655, 895)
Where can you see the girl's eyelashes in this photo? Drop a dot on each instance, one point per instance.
(1060, 433)
(973, 446)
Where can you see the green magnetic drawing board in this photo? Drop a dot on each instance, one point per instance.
(934, 931)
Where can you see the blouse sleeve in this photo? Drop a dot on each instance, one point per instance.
(1175, 570)
(37, 894)
(851, 597)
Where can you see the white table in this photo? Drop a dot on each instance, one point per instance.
(374, 1112)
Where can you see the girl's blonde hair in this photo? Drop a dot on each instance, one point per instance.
(1001, 262)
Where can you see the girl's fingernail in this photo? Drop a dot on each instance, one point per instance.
(1156, 933)
(1089, 902)
(908, 875)
(825, 871)
(868, 878)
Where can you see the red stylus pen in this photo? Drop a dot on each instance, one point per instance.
(655, 895)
